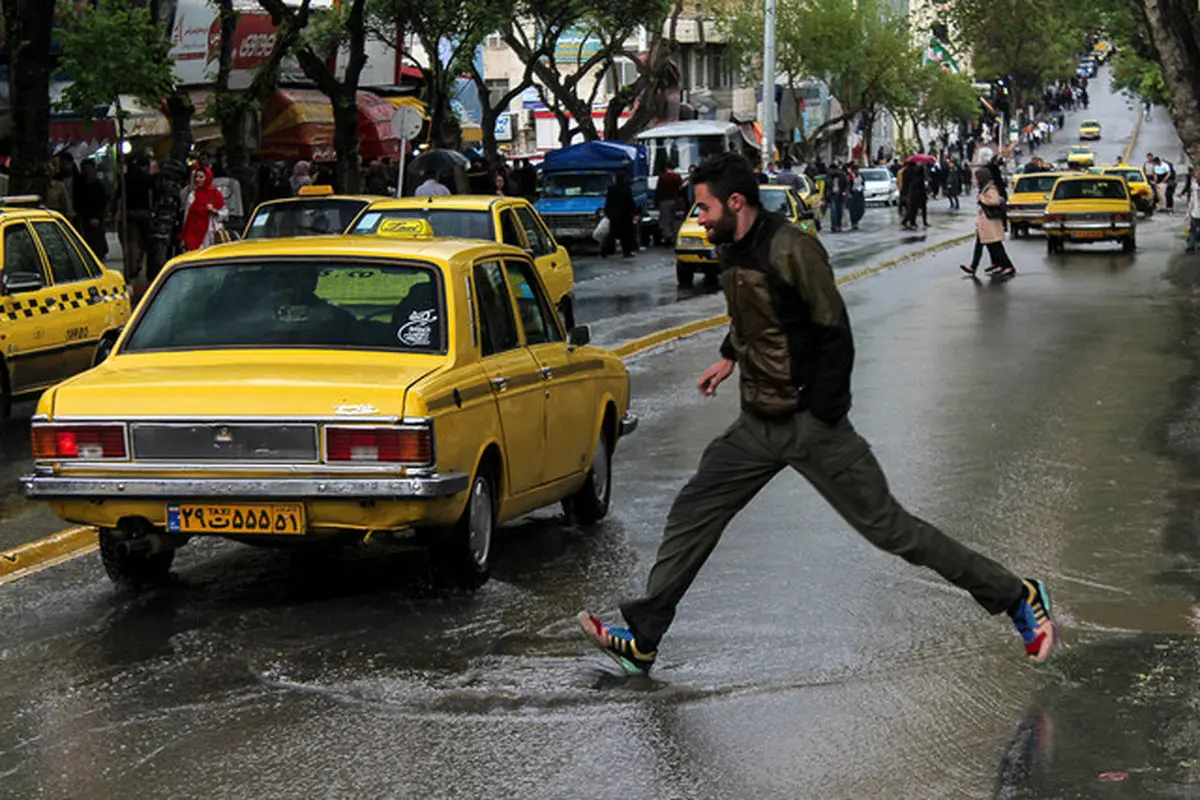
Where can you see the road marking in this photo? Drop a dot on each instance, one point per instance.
(43, 553)
(1133, 137)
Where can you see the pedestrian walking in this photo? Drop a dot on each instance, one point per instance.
(666, 194)
(58, 196)
(1160, 183)
(836, 190)
(857, 204)
(204, 212)
(91, 208)
(139, 214)
(431, 187)
(300, 176)
(1172, 184)
(953, 184)
(620, 209)
(916, 198)
(790, 335)
(989, 229)
(1193, 209)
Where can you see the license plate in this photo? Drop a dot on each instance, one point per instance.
(273, 519)
(1087, 234)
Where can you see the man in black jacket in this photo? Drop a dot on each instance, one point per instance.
(790, 335)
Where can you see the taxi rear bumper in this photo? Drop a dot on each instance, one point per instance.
(49, 487)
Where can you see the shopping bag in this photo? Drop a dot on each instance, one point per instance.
(602, 229)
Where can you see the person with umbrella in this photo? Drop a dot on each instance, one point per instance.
(432, 187)
(916, 196)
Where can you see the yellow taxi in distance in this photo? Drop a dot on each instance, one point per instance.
(695, 253)
(1144, 197)
(1081, 157)
(508, 220)
(1089, 129)
(1087, 209)
(414, 390)
(60, 309)
(1027, 200)
(315, 211)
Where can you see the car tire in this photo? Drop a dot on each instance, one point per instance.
(712, 276)
(462, 554)
(1129, 243)
(685, 275)
(5, 393)
(133, 570)
(590, 504)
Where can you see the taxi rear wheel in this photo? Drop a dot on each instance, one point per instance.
(685, 276)
(5, 393)
(590, 504)
(462, 554)
(128, 566)
(1129, 243)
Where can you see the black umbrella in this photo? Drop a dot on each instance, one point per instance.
(437, 160)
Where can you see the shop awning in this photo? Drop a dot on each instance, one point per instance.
(408, 100)
(141, 122)
(298, 124)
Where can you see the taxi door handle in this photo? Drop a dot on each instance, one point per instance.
(499, 384)
(547, 373)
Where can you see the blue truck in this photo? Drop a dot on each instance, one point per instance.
(575, 180)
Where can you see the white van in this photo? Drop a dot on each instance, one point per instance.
(680, 145)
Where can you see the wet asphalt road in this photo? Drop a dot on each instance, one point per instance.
(1047, 421)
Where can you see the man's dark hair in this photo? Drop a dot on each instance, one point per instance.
(727, 174)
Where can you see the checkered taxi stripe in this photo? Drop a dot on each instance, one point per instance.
(16, 309)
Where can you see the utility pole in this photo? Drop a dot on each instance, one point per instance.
(768, 91)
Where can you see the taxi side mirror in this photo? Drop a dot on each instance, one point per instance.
(579, 336)
(17, 282)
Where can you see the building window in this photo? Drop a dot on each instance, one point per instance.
(494, 41)
(497, 88)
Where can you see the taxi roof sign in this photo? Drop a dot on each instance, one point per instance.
(406, 229)
(316, 190)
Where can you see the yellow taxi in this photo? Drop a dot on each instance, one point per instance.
(1085, 209)
(1081, 157)
(1144, 196)
(1027, 200)
(314, 211)
(695, 253)
(1089, 129)
(60, 309)
(508, 220)
(419, 391)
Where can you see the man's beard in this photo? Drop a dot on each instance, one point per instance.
(724, 230)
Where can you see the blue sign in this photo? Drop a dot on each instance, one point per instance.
(504, 127)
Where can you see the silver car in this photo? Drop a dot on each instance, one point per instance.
(879, 186)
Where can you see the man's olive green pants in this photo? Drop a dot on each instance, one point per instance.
(839, 464)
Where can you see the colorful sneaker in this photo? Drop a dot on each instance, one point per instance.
(1034, 622)
(617, 643)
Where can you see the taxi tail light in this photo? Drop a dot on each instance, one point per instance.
(79, 442)
(1122, 217)
(408, 445)
(1055, 217)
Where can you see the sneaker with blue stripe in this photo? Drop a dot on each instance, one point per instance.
(1034, 622)
(617, 643)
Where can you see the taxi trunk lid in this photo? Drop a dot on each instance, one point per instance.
(228, 384)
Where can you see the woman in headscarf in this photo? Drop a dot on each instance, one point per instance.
(300, 176)
(989, 229)
(205, 211)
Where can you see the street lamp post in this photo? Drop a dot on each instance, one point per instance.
(768, 92)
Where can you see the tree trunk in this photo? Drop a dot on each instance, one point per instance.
(868, 140)
(1175, 32)
(28, 26)
(345, 140)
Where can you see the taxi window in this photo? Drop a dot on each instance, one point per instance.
(776, 201)
(457, 223)
(1035, 183)
(508, 230)
(359, 305)
(316, 217)
(539, 239)
(21, 256)
(66, 265)
(1090, 190)
(539, 324)
(89, 260)
(499, 328)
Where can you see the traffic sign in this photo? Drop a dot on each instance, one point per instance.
(406, 123)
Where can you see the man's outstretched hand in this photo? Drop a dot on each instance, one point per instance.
(714, 376)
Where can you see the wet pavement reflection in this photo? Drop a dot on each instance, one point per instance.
(1048, 421)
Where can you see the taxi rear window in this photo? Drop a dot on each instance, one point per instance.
(1035, 183)
(457, 223)
(316, 217)
(310, 304)
(1090, 190)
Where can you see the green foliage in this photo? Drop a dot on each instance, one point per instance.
(1135, 64)
(114, 50)
(946, 97)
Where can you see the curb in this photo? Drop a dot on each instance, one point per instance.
(1133, 137)
(658, 338)
(55, 549)
(36, 556)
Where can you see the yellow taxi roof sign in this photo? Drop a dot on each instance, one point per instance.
(405, 229)
(316, 190)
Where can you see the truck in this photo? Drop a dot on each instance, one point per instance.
(576, 179)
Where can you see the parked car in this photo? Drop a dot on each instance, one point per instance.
(507, 220)
(62, 309)
(294, 392)
(1085, 209)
